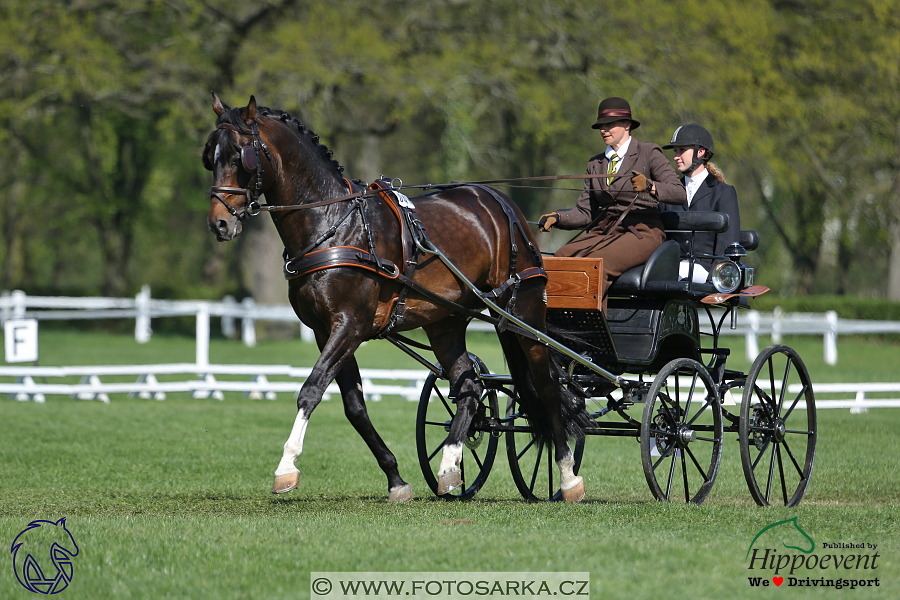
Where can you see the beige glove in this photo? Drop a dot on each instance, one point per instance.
(547, 221)
(640, 183)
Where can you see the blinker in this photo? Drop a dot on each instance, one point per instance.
(248, 159)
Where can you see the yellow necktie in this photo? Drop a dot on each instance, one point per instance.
(613, 162)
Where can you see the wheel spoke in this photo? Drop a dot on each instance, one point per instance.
(771, 472)
(784, 385)
(699, 412)
(671, 477)
(684, 477)
(762, 451)
(687, 407)
(668, 452)
(794, 404)
(793, 460)
(696, 464)
(444, 402)
(550, 487)
(438, 449)
(525, 449)
(477, 460)
(781, 473)
(537, 465)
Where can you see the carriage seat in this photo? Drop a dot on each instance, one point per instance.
(661, 266)
(660, 273)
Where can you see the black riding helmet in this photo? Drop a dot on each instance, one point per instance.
(693, 135)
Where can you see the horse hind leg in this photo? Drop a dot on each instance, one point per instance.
(530, 363)
(448, 343)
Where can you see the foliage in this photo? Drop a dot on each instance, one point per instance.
(106, 104)
(875, 309)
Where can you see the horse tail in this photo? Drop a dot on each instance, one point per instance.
(574, 417)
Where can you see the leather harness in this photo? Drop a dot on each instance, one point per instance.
(412, 236)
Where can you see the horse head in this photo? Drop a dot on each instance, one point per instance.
(233, 153)
(247, 153)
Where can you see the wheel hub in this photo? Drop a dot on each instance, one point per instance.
(686, 436)
(779, 431)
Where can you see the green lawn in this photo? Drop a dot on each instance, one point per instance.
(170, 499)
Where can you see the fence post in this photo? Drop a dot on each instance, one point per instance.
(751, 342)
(228, 316)
(142, 329)
(777, 316)
(248, 323)
(202, 335)
(18, 309)
(831, 324)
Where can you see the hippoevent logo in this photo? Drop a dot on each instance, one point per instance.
(42, 556)
(783, 554)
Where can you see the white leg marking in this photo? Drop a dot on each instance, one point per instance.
(450, 458)
(293, 446)
(567, 477)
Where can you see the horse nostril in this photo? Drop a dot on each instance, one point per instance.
(223, 227)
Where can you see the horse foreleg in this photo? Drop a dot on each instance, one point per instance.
(287, 476)
(335, 349)
(350, 382)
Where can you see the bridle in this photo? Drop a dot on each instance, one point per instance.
(251, 163)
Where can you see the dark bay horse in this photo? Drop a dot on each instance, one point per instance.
(344, 282)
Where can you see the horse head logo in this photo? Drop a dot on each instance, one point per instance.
(788, 531)
(40, 541)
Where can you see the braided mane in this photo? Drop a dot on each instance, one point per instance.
(233, 117)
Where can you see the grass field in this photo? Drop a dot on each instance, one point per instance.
(170, 499)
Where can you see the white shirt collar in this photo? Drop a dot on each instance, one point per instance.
(692, 184)
(621, 152)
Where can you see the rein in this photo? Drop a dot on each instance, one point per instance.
(426, 186)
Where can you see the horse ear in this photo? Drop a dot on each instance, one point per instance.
(249, 113)
(219, 106)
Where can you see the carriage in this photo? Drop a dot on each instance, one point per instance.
(364, 261)
(678, 375)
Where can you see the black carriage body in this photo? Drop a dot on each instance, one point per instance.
(638, 335)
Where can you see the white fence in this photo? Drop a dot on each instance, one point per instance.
(142, 308)
(406, 383)
(377, 383)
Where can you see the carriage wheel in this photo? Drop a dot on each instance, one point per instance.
(681, 432)
(777, 436)
(532, 466)
(436, 411)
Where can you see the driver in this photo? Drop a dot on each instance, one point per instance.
(620, 215)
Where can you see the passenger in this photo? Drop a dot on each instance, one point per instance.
(693, 146)
(620, 215)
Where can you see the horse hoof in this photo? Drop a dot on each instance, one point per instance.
(449, 481)
(285, 483)
(401, 493)
(574, 493)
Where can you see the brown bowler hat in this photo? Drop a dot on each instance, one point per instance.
(612, 110)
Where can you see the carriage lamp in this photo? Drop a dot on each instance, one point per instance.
(731, 274)
(726, 276)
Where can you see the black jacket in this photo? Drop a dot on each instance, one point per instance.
(712, 195)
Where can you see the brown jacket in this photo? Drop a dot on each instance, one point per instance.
(614, 198)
